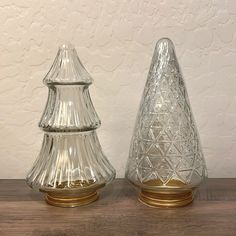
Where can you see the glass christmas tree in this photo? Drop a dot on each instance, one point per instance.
(71, 166)
(166, 160)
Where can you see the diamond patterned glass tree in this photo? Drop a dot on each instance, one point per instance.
(166, 160)
(71, 166)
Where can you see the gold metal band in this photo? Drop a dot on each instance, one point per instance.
(69, 201)
(166, 199)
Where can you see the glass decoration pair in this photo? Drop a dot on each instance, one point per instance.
(165, 161)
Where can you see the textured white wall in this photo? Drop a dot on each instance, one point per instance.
(115, 41)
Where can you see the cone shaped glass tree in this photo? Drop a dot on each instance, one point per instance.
(165, 160)
(71, 166)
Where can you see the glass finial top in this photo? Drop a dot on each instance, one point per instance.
(67, 68)
(164, 58)
(165, 50)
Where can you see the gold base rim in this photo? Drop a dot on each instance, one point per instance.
(71, 201)
(172, 200)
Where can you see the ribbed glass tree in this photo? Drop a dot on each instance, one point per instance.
(71, 166)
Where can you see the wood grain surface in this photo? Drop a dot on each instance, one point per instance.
(118, 212)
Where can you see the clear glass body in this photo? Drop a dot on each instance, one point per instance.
(71, 161)
(165, 152)
(69, 108)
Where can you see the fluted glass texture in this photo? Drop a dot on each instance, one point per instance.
(71, 161)
(68, 158)
(165, 150)
(75, 107)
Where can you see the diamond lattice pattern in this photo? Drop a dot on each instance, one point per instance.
(165, 143)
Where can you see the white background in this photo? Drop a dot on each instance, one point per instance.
(115, 41)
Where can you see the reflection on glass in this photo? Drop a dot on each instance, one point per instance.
(165, 160)
(71, 166)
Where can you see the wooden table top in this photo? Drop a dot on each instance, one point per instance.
(118, 212)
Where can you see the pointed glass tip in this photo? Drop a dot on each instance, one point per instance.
(66, 46)
(165, 42)
(67, 68)
(165, 49)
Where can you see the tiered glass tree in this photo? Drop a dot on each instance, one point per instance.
(71, 166)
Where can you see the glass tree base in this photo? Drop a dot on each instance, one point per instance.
(170, 195)
(71, 201)
(78, 193)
